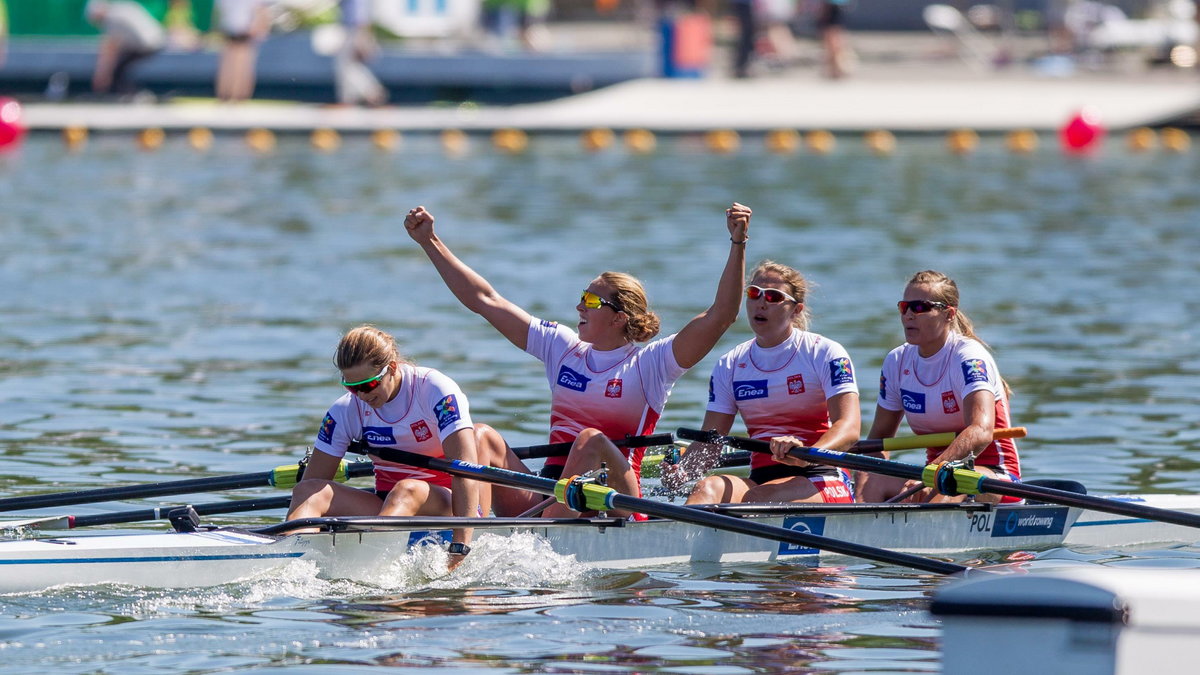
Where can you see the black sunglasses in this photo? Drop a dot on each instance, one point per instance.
(920, 306)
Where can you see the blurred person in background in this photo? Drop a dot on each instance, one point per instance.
(243, 23)
(130, 34)
(354, 80)
(832, 30)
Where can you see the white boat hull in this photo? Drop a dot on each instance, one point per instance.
(222, 556)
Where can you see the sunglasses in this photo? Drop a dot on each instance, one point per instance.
(368, 385)
(771, 295)
(920, 306)
(593, 301)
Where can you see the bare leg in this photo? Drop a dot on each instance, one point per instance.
(411, 497)
(587, 452)
(720, 489)
(494, 451)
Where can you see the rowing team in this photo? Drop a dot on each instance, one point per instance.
(610, 378)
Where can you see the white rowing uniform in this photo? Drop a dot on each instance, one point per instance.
(784, 391)
(428, 407)
(619, 392)
(930, 392)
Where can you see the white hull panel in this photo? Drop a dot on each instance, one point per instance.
(223, 556)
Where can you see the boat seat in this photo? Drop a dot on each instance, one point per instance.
(1063, 484)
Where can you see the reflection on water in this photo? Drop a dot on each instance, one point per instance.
(173, 314)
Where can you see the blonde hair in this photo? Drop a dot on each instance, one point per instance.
(795, 281)
(630, 296)
(366, 344)
(943, 289)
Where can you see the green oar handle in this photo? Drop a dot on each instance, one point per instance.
(966, 481)
(599, 497)
(560, 449)
(177, 487)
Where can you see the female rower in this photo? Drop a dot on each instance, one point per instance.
(391, 403)
(786, 382)
(942, 379)
(603, 384)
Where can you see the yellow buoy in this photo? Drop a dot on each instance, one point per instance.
(722, 141)
(200, 138)
(1141, 139)
(387, 140)
(782, 141)
(1021, 141)
(511, 141)
(962, 141)
(260, 140)
(880, 141)
(454, 142)
(75, 137)
(1175, 140)
(594, 140)
(325, 140)
(150, 139)
(820, 142)
(640, 141)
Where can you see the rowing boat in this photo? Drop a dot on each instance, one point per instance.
(346, 547)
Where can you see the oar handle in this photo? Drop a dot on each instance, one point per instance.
(928, 440)
(560, 449)
(216, 508)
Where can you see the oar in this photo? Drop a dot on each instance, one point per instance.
(560, 449)
(602, 498)
(691, 470)
(141, 515)
(280, 477)
(949, 480)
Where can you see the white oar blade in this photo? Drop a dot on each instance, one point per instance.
(43, 523)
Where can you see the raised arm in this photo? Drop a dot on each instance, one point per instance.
(471, 289)
(701, 334)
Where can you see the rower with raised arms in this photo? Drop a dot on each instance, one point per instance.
(603, 384)
(785, 382)
(392, 403)
(942, 379)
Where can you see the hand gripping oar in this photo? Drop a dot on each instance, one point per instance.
(560, 449)
(280, 477)
(950, 480)
(593, 497)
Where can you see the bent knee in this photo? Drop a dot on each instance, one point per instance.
(310, 487)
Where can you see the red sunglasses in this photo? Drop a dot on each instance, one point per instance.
(920, 306)
(368, 385)
(772, 295)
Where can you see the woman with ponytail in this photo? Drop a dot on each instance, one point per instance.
(942, 379)
(603, 383)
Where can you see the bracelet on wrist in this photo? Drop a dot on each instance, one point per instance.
(739, 243)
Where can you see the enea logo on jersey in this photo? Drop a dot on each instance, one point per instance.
(974, 370)
(446, 411)
(841, 372)
(807, 525)
(749, 389)
(572, 380)
(912, 401)
(325, 433)
(379, 436)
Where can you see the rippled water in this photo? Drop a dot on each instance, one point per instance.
(172, 314)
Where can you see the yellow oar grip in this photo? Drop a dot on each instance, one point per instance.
(945, 438)
(965, 481)
(580, 496)
(285, 477)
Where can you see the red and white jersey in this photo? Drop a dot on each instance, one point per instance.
(930, 392)
(428, 408)
(782, 390)
(620, 392)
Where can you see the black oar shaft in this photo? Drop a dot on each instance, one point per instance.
(216, 508)
(992, 485)
(560, 449)
(177, 487)
(672, 512)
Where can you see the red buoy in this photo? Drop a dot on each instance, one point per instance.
(1082, 133)
(11, 129)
